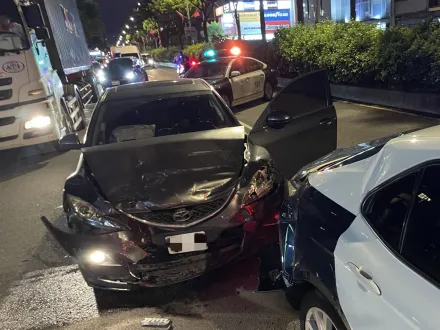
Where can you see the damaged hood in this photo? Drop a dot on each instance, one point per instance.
(169, 171)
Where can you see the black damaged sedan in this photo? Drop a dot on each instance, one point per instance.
(169, 185)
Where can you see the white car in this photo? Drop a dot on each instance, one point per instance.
(360, 236)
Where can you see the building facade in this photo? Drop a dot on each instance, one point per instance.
(286, 13)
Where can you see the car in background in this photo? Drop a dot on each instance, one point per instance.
(359, 236)
(237, 79)
(121, 71)
(169, 186)
(148, 60)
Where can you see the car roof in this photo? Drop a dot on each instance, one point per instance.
(162, 87)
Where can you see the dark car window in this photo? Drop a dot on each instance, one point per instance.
(213, 70)
(304, 96)
(387, 209)
(130, 55)
(421, 245)
(252, 65)
(156, 116)
(120, 65)
(238, 65)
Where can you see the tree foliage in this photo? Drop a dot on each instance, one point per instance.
(214, 29)
(360, 54)
(92, 23)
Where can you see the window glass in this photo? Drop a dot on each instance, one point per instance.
(421, 246)
(252, 65)
(340, 10)
(372, 9)
(388, 208)
(237, 65)
(211, 70)
(305, 95)
(141, 118)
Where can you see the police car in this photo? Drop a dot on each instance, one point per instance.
(359, 236)
(238, 79)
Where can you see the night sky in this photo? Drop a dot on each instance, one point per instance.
(115, 13)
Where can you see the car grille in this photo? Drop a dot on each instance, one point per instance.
(6, 94)
(5, 81)
(7, 121)
(198, 212)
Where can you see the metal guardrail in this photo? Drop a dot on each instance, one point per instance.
(75, 109)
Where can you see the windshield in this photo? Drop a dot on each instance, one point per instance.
(212, 70)
(156, 116)
(130, 55)
(121, 65)
(12, 35)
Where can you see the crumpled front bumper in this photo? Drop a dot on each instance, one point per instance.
(133, 262)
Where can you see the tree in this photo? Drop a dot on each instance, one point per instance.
(92, 23)
(214, 29)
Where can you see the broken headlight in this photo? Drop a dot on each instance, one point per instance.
(260, 185)
(91, 214)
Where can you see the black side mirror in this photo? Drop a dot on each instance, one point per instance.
(42, 33)
(278, 119)
(70, 142)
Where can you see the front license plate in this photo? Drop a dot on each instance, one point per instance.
(116, 83)
(187, 243)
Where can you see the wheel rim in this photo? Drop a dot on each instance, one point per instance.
(268, 90)
(317, 319)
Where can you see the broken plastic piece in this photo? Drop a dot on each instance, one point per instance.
(156, 323)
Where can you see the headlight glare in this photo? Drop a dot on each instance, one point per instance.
(37, 122)
(129, 75)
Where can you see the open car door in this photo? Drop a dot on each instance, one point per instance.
(299, 125)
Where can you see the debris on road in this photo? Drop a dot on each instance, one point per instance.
(156, 323)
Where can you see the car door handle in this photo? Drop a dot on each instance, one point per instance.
(364, 278)
(326, 121)
(247, 79)
(261, 75)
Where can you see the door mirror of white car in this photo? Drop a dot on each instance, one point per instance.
(235, 74)
(278, 119)
(70, 142)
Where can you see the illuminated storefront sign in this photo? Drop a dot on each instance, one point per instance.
(218, 11)
(276, 19)
(250, 22)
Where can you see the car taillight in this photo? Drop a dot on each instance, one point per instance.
(193, 63)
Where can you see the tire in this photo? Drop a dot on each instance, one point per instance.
(268, 91)
(227, 100)
(312, 303)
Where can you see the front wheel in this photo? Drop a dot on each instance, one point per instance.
(317, 313)
(268, 91)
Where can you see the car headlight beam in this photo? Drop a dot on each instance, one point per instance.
(129, 75)
(37, 122)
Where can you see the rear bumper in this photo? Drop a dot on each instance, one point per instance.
(14, 135)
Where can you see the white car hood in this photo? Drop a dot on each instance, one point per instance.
(346, 185)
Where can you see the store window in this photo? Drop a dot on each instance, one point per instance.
(372, 9)
(340, 10)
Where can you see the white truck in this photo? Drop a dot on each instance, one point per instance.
(46, 75)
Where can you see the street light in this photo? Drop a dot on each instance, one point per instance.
(132, 19)
(127, 26)
(124, 32)
(139, 4)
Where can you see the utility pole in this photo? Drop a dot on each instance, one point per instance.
(352, 9)
(262, 21)
(392, 13)
(237, 19)
(299, 11)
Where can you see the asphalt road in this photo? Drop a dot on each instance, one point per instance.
(40, 287)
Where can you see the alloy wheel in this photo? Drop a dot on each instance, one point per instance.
(317, 319)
